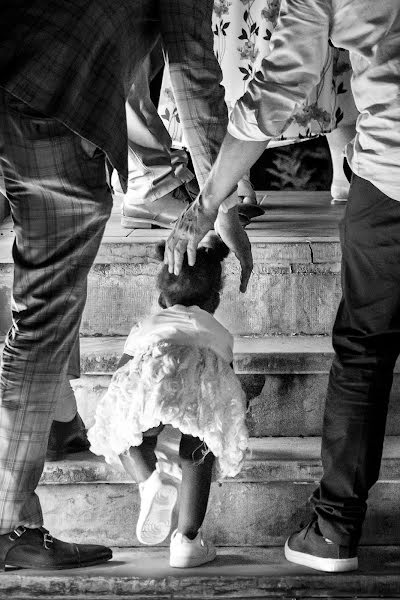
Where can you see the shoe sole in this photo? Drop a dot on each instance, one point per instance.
(328, 565)
(133, 223)
(155, 526)
(90, 563)
(187, 563)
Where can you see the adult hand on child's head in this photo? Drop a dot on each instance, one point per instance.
(189, 230)
(234, 236)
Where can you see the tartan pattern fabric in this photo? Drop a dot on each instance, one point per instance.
(60, 203)
(196, 78)
(75, 61)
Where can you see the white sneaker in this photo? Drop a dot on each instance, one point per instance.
(186, 553)
(157, 501)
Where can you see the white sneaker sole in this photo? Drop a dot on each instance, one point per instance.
(186, 562)
(328, 565)
(155, 526)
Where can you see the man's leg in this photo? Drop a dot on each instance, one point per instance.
(60, 203)
(366, 339)
(196, 78)
(68, 432)
(157, 172)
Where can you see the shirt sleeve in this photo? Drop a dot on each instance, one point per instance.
(288, 74)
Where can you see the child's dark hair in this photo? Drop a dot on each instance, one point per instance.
(199, 285)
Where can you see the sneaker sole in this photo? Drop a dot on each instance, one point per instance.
(187, 563)
(155, 526)
(328, 565)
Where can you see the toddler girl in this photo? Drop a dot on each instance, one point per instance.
(176, 370)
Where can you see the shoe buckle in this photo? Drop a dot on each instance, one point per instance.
(18, 531)
(47, 539)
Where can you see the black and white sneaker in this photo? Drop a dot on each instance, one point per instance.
(309, 548)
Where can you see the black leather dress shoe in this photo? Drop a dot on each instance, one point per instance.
(67, 438)
(37, 549)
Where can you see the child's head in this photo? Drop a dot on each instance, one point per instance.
(199, 285)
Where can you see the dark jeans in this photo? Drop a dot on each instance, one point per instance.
(366, 339)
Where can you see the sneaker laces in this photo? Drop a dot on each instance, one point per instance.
(310, 524)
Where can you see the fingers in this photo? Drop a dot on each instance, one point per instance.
(175, 252)
(188, 231)
(169, 253)
(246, 265)
(178, 254)
(245, 276)
(191, 252)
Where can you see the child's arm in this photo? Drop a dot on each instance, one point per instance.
(123, 360)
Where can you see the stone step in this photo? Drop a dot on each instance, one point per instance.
(295, 286)
(285, 379)
(237, 573)
(86, 500)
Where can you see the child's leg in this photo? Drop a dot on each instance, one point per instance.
(141, 460)
(157, 497)
(196, 481)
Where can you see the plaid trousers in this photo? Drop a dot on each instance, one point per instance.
(186, 31)
(154, 167)
(60, 202)
(187, 40)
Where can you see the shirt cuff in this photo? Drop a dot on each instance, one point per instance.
(243, 125)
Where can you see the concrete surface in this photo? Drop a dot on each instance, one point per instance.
(86, 500)
(295, 286)
(236, 573)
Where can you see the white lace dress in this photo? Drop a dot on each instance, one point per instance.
(180, 375)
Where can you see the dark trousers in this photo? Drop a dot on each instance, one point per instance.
(366, 339)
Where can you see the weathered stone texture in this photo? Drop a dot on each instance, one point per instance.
(238, 573)
(295, 288)
(279, 404)
(240, 514)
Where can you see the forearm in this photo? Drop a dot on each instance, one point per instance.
(285, 79)
(234, 159)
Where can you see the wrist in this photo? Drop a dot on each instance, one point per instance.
(208, 204)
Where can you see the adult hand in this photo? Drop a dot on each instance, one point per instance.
(232, 233)
(189, 230)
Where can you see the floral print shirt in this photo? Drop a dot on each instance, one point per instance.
(370, 30)
(242, 32)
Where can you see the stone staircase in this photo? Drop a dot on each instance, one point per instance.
(282, 355)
